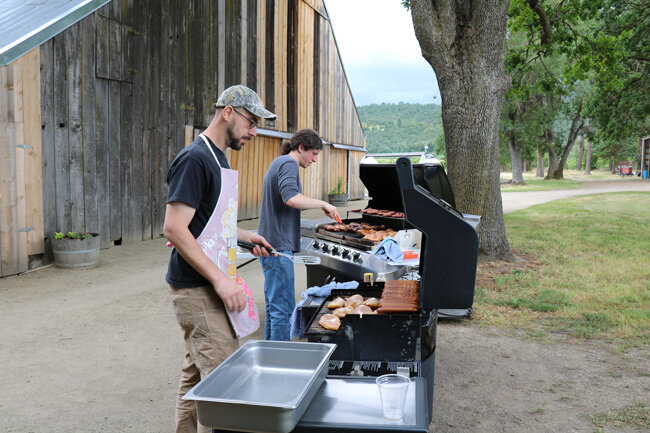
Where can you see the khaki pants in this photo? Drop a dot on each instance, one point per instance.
(209, 340)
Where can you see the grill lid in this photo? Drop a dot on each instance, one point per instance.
(449, 250)
(383, 186)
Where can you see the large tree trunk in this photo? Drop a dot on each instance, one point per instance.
(588, 159)
(582, 151)
(554, 171)
(540, 164)
(515, 152)
(515, 158)
(557, 163)
(464, 42)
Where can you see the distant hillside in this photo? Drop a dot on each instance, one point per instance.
(400, 127)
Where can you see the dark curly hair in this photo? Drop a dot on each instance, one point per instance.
(307, 137)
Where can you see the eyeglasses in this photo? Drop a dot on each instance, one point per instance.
(251, 123)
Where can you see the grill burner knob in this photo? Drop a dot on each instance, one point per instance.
(335, 250)
(356, 256)
(325, 248)
(316, 245)
(345, 253)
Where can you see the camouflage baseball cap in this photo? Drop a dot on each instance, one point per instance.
(241, 96)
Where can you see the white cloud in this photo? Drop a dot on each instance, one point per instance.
(380, 53)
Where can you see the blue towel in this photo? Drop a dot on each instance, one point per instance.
(319, 293)
(389, 249)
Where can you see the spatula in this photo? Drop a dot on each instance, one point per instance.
(305, 260)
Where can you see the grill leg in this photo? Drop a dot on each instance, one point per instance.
(428, 371)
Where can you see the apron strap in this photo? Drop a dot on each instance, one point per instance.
(205, 140)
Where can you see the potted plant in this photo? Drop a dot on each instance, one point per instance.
(76, 250)
(338, 196)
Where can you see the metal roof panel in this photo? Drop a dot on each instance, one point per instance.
(27, 24)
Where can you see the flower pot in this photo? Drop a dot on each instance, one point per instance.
(338, 199)
(76, 253)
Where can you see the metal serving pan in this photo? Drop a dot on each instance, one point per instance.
(265, 386)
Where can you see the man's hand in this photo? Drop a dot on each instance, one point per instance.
(233, 297)
(331, 211)
(262, 246)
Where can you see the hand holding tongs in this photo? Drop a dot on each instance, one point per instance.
(305, 260)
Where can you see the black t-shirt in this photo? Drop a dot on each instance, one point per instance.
(194, 178)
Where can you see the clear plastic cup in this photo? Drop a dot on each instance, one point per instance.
(392, 390)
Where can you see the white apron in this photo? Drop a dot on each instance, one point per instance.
(218, 240)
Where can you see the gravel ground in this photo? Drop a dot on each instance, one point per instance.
(99, 350)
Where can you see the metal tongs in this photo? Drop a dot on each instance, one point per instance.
(305, 260)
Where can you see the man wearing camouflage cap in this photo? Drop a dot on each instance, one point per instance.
(200, 222)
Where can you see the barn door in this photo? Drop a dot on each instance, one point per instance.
(21, 197)
(13, 227)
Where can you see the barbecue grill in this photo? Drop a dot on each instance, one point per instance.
(375, 344)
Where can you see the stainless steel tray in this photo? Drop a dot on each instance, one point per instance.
(265, 386)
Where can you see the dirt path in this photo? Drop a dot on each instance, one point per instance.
(513, 201)
(99, 350)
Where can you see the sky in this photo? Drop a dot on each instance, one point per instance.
(380, 54)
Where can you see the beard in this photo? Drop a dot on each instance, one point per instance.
(234, 142)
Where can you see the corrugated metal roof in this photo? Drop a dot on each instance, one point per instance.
(27, 24)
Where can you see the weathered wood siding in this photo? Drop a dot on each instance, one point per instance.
(119, 92)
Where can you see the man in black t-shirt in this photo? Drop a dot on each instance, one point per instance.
(200, 288)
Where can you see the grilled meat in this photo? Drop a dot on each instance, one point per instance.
(371, 302)
(330, 321)
(383, 213)
(336, 303)
(342, 312)
(362, 309)
(354, 301)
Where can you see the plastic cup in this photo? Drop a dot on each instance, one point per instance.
(392, 390)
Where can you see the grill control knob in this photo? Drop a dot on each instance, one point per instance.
(356, 256)
(345, 253)
(335, 250)
(325, 248)
(316, 245)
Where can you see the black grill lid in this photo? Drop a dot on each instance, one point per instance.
(449, 250)
(383, 186)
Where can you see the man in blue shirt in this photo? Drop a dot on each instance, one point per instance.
(282, 200)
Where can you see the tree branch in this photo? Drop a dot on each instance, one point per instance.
(546, 25)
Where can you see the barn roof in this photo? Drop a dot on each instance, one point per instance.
(26, 24)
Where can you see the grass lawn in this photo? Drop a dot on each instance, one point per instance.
(572, 179)
(588, 275)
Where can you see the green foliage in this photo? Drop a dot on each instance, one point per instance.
(72, 235)
(620, 54)
(339, 188)
(393, 128)
(594, 60)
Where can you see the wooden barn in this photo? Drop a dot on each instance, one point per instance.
(97, 97)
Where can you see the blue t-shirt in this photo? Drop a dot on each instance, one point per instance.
(194, 178)
(279, 223)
